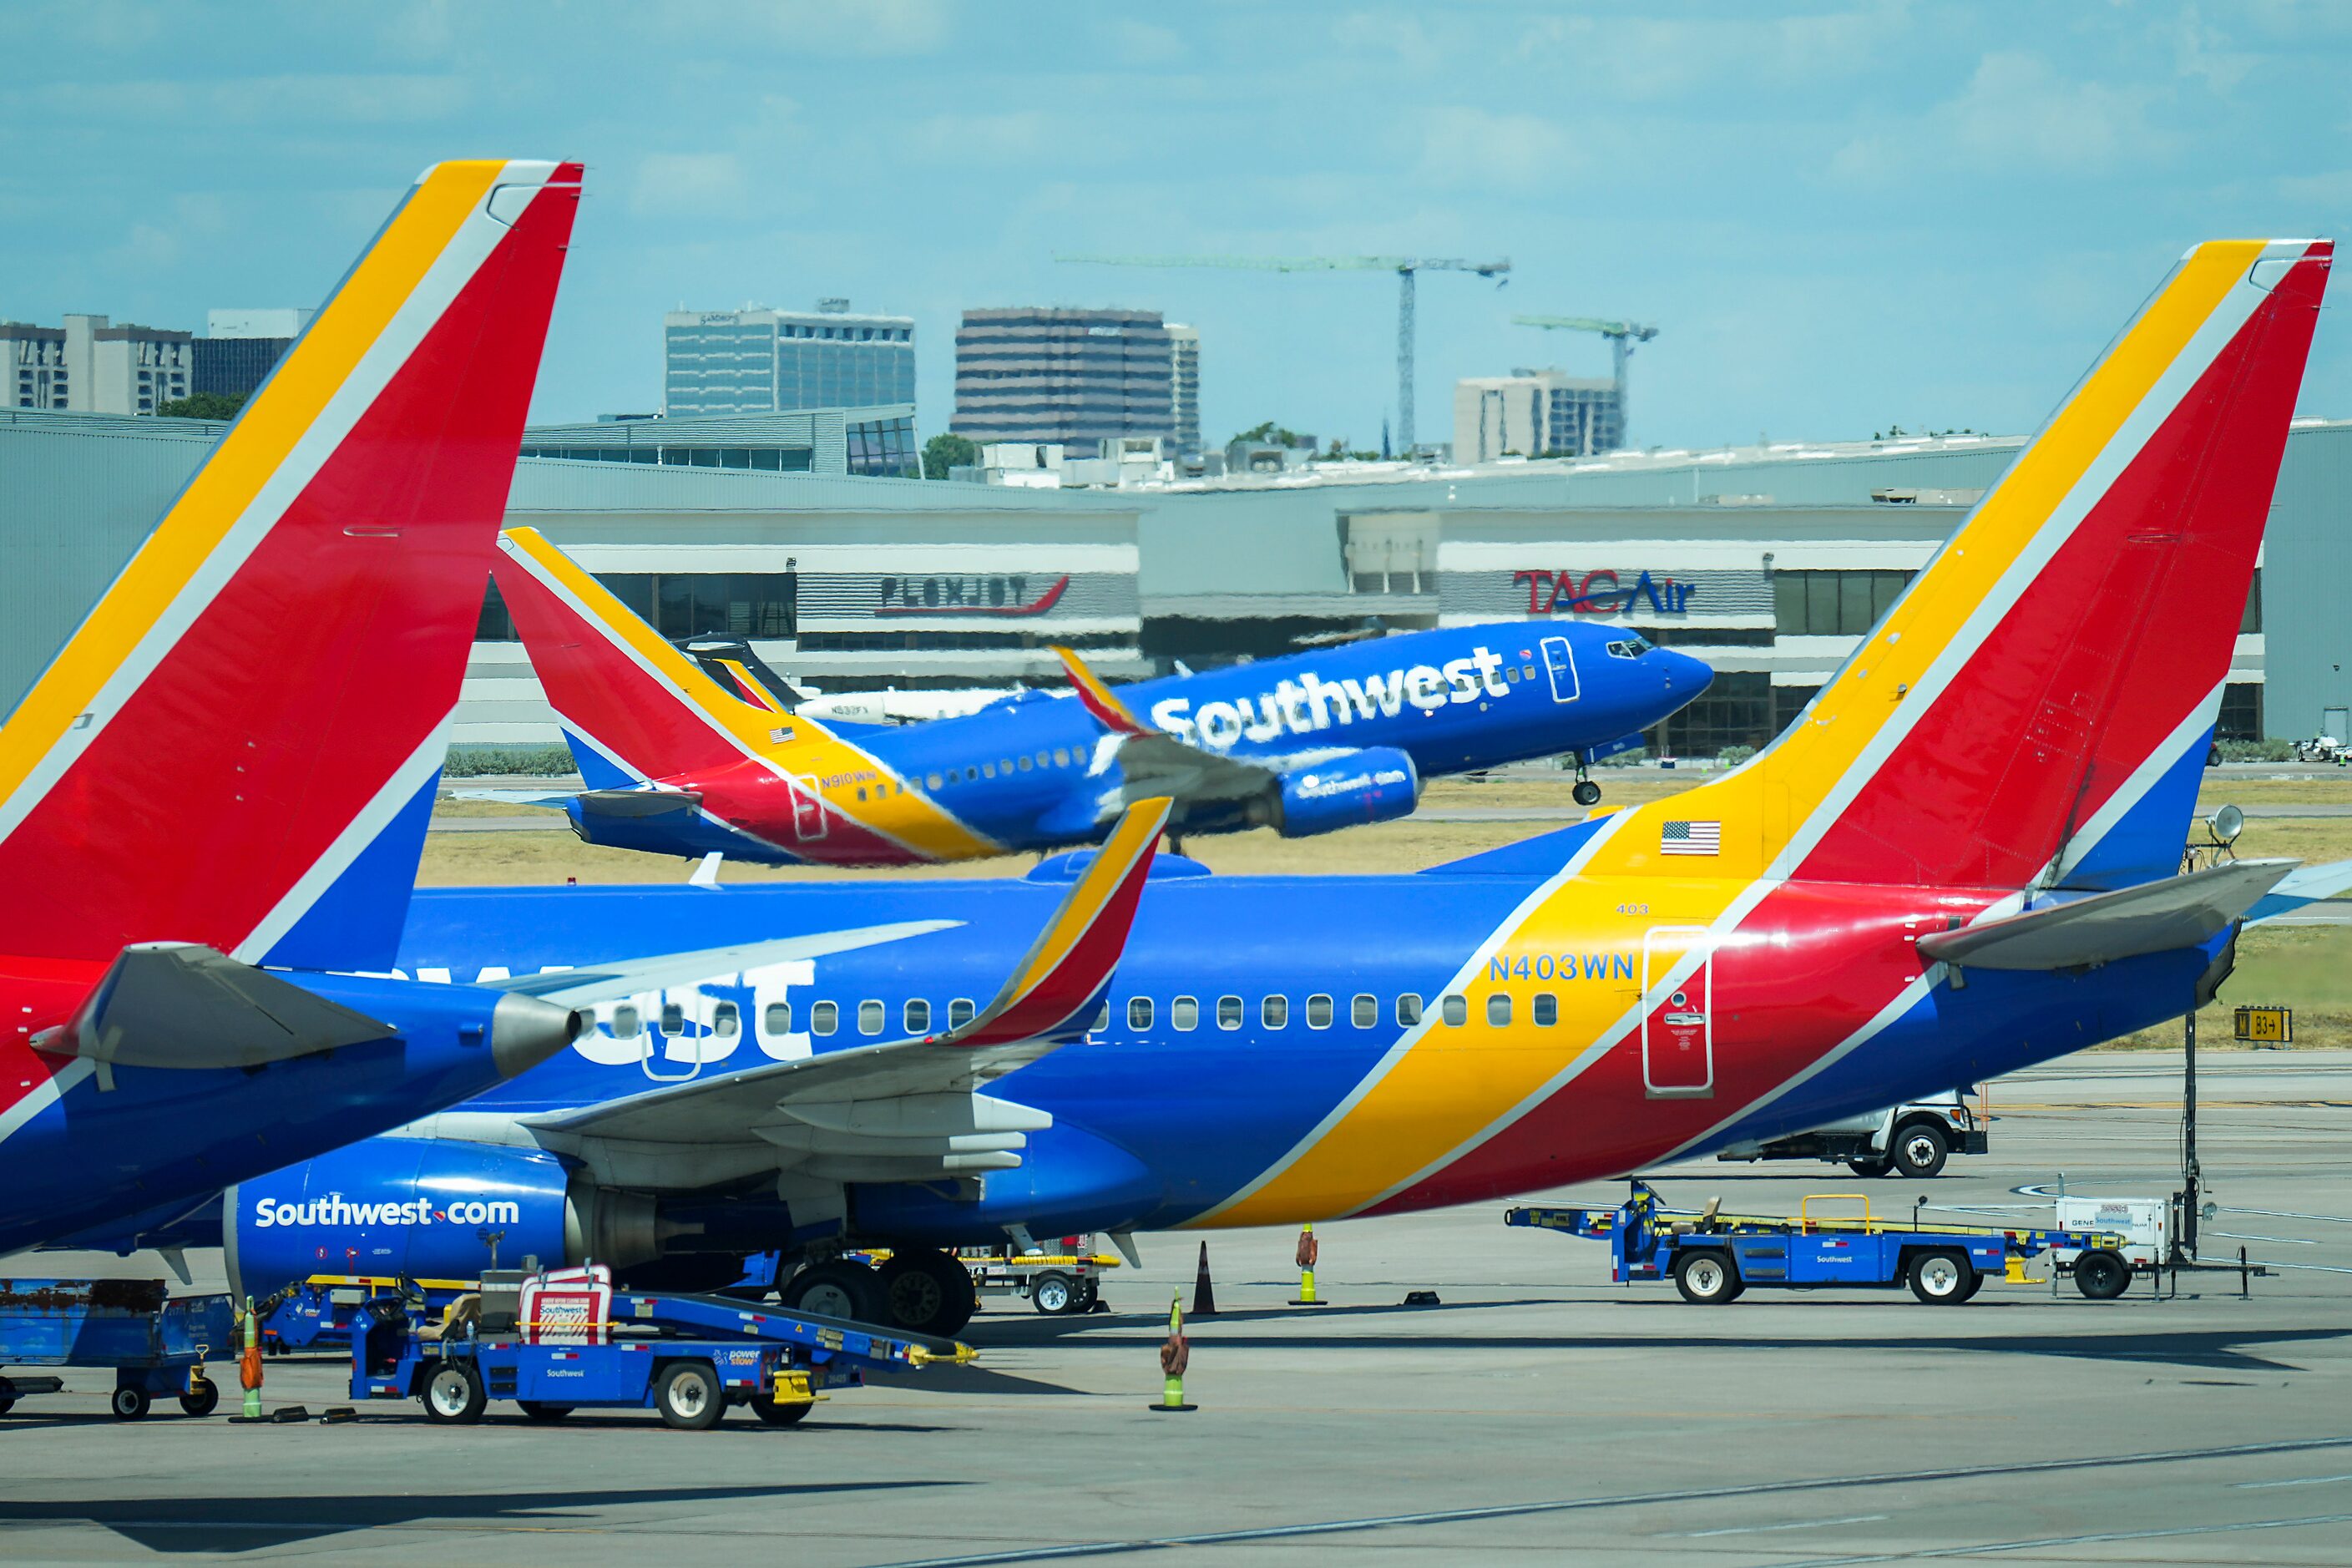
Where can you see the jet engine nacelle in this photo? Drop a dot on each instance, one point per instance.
(440, 1209)
(1378, 783)
(389, 1207)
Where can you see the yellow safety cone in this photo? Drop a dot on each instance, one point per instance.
(1174, 1357)
(1308, 1253)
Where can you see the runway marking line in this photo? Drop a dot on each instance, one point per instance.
(1768, 1528)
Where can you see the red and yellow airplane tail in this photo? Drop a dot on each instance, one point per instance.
(633, 707)
(2037, 707)
(239, 746)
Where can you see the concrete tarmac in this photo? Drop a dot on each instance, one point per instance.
(1538, 1409)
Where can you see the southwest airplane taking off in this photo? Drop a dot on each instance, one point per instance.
(1961, 860)
(680, 764)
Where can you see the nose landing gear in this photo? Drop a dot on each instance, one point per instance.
(1586, 791)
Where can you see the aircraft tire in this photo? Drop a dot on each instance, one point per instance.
(1586, 793)
(926, 1292)
(836, 1289)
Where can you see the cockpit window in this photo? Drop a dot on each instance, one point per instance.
(1633, 645)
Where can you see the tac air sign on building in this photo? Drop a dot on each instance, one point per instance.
(1556, 583)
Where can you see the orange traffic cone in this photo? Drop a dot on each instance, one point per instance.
(1204, 1294)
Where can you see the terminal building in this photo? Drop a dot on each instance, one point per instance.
(1769, 562)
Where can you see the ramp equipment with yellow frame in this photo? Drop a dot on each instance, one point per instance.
(1713, 1258)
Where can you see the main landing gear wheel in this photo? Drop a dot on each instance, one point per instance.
(836, 1289)
(2101, 1275)
(1920, 1149)
(454, 1395)
(1705, 1277)
(1586, 793)
(689, 1397)
(927, 1292)
(1941, 1278)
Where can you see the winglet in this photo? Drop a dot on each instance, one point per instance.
(1055, 991)
(1108, 709)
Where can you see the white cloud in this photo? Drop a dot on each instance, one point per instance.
(1478, 148)
(2017, 114)
(872, 28)
(708, 185)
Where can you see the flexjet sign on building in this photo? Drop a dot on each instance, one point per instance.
(1960, 860)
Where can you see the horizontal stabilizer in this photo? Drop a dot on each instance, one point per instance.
(2154, 917)
(2301, 889)
(178, 1005)
(637, 802)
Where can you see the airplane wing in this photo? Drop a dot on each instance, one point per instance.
(1155, 762)
(609, 982)
(1050, 1000)
(2154, 917)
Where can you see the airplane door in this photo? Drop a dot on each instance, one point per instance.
(1560, 664)
(670, 1045)
(808, 809)
(1677, 1022)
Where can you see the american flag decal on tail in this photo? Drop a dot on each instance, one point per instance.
(1690, 838)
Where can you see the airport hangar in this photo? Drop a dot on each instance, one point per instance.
(789, 528)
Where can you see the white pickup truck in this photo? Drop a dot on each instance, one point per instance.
(1913, 1138)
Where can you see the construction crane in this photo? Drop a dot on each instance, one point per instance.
(1405, 266)
(1622, 336)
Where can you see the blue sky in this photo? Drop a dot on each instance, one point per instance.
(1840, 216)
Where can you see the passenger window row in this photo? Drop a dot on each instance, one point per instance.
(1184, 1014)
(1059, 757)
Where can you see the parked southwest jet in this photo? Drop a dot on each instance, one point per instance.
(1959, 860)
(680, 764)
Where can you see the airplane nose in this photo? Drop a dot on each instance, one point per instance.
(1686, 677)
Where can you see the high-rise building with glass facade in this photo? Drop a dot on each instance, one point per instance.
(240, 348)
(1076, 377)
(767, 361)
(1184, 348)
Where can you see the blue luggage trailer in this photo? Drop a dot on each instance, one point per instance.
(688, 1357)
(1713, 1258)
(157, 1344)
